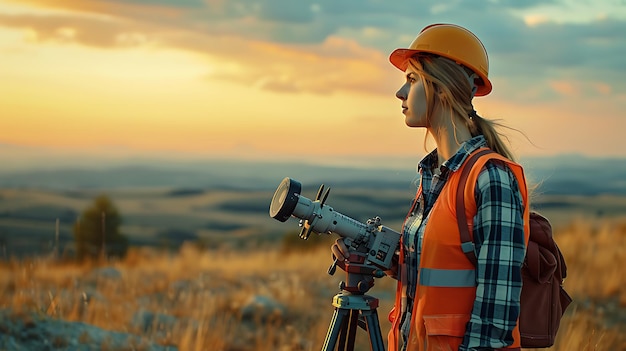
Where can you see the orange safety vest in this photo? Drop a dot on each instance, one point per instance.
(446, 287)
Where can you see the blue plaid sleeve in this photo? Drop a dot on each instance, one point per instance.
(500, 248)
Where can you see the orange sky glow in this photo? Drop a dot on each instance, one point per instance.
(127, 76)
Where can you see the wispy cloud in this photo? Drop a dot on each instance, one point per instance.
(327, 45)
(566, 88)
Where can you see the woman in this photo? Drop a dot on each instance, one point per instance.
(444, 301)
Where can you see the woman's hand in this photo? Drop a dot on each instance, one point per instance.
(340, 250)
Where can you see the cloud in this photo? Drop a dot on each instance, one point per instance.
(301, 46)
(581, 89)
(535, 19)
(565, 88)
(286, 11)
(179, 3)
(602, 88)
(336, 65)
(85, 31)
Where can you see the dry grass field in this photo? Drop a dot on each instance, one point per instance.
(201, 299)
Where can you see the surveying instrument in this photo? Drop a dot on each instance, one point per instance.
(372, 247)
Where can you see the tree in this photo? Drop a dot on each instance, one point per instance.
(97, 231)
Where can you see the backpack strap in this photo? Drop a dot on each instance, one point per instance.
(467, 244)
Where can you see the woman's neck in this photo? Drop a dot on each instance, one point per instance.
(449, 137)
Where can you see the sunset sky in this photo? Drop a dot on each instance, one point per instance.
(309, 79)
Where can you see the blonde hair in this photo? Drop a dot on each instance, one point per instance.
(446, 85)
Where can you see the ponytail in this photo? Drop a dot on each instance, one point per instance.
(487, 128)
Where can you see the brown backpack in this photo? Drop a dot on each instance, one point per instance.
(543, 299)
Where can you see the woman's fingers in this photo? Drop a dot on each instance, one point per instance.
(340, 250)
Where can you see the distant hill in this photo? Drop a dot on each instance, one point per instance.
(219, 202)
(572, 175)
(577, 175)
(209, 174)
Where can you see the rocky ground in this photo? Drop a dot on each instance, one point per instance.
(231, 302)
(30, 331)
(152, 321)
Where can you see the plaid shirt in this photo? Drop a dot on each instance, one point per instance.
(498, 235)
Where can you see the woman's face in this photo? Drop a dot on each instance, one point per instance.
(413, 99)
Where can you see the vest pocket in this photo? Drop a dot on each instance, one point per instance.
(445, 332)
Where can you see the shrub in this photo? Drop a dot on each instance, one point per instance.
(97, 232)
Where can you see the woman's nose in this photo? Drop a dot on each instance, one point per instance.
(400, 94)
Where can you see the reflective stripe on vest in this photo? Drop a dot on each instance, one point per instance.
(448, 278)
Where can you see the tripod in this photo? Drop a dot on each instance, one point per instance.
(353, 308)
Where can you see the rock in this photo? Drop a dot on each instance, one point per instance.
(147, 321)
(106, 273)
(24, 331)
(262, 308)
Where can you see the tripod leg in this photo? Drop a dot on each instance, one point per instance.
(373, 329)
(347, 317)
(337, 324)
(354, 321)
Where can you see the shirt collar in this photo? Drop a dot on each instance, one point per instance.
(429, 162)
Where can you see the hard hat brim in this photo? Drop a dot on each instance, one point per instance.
(400, 59)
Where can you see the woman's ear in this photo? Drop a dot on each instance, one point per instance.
(473, 78)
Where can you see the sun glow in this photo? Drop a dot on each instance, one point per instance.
(96, 74)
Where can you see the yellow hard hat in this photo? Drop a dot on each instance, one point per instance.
(453, 42)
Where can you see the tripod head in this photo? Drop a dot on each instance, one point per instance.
(372, 245)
